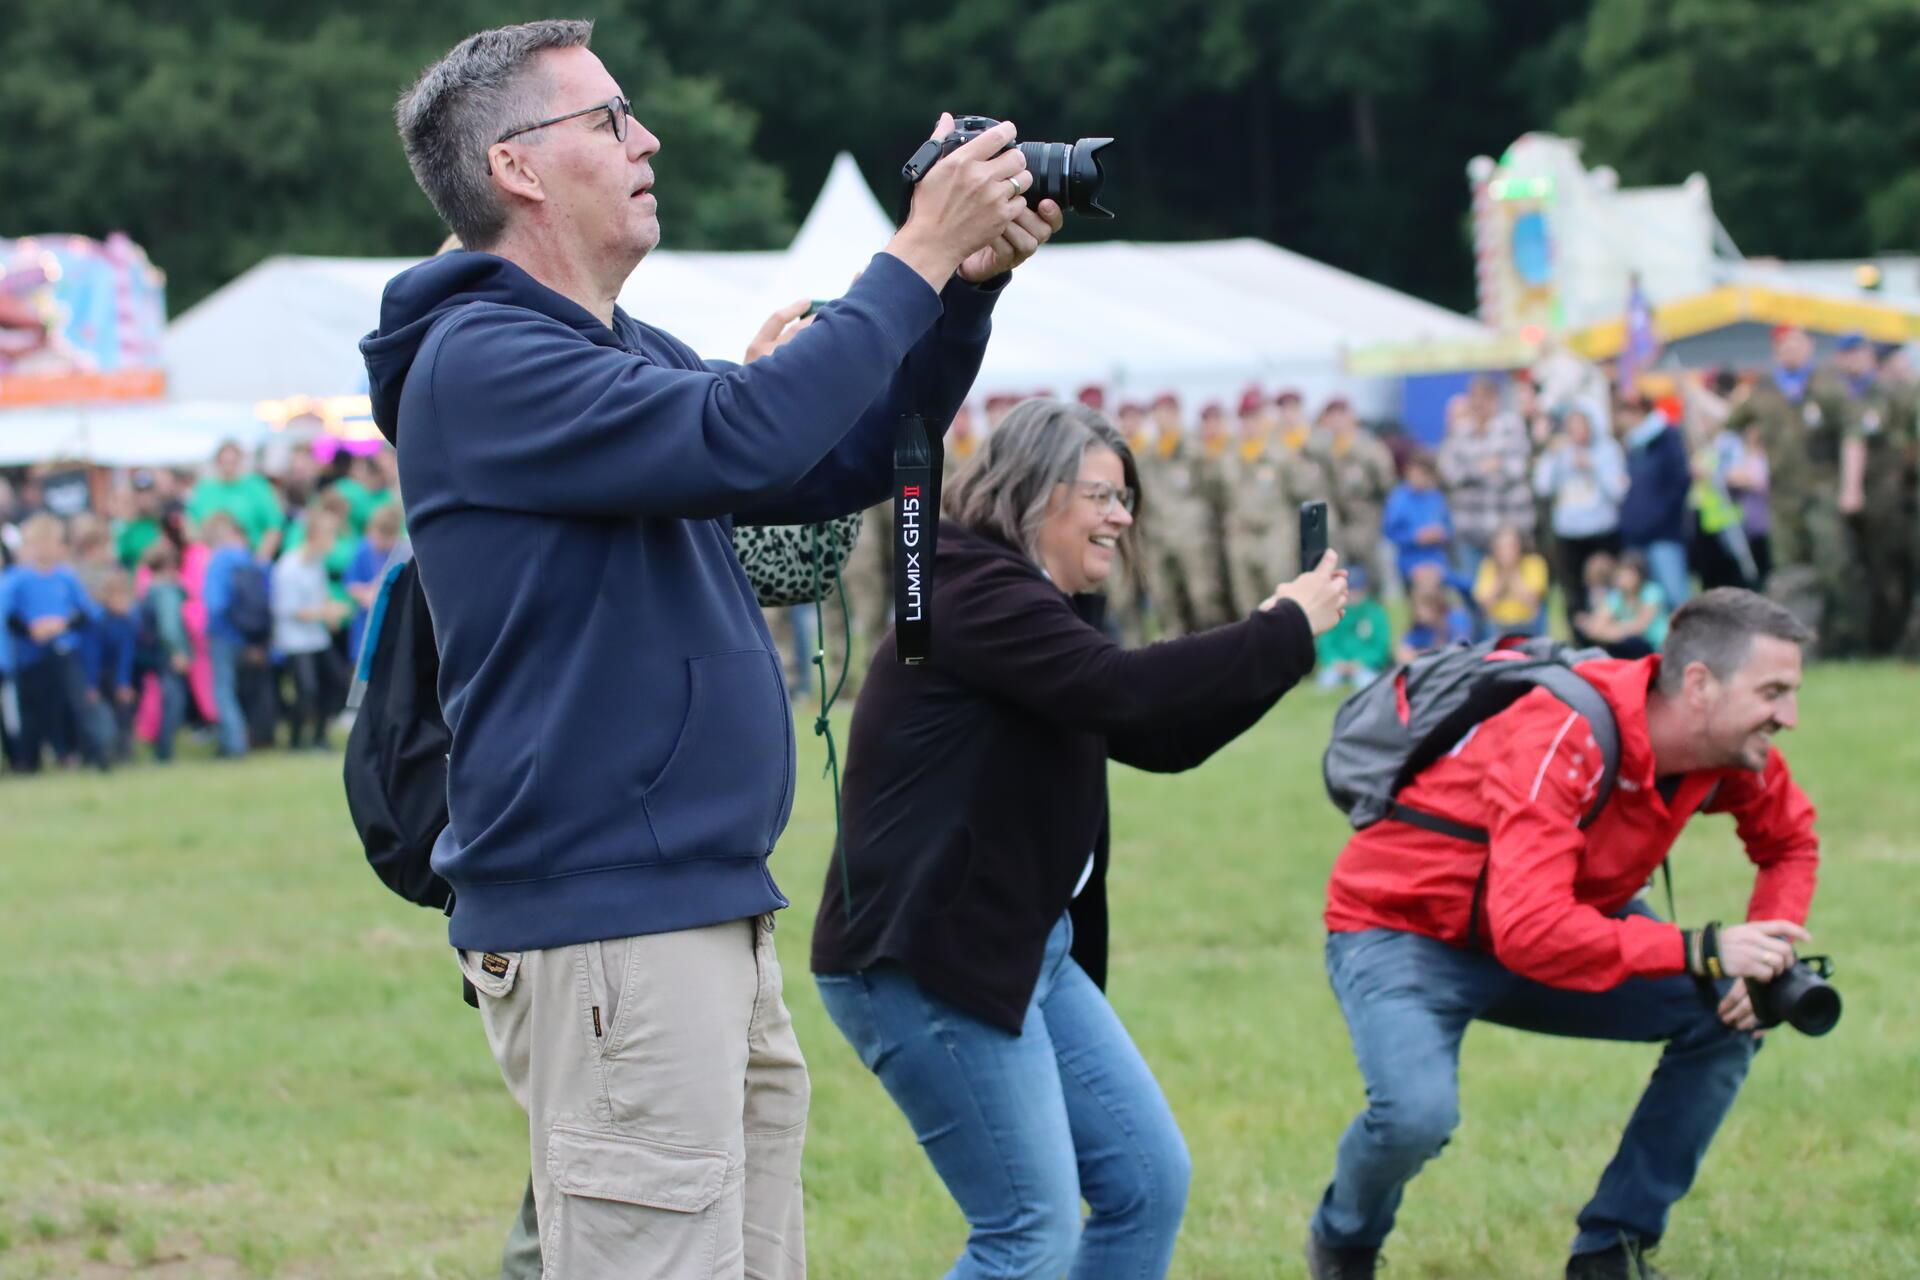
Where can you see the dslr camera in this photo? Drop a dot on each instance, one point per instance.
(1067, 173)
(1801, 997)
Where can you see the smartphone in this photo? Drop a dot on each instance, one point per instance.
(1313, 535)
(815, 308)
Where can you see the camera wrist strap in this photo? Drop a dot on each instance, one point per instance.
(917, 457)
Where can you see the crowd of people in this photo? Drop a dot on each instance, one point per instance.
(1797, 479)
(231, 602)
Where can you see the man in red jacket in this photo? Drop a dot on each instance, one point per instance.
(1540, 927)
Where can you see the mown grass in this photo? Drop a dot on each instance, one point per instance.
(225, 1050)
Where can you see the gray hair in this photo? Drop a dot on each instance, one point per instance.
(1005, 491)
(485, 86)
(1717, 628)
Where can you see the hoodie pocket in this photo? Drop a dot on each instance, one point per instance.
(725, 788)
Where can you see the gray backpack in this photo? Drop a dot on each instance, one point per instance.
(1385, 734)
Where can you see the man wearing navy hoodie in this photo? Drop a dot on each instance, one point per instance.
(622, 752)
(1653, 515)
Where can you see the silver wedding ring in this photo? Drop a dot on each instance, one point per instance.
(1017, 188)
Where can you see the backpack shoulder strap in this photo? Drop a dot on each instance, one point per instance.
(1581, 697)
(370, 634)
(1579, 694)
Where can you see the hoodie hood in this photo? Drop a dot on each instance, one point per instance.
(420, 297)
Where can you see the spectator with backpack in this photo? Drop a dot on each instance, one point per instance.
(1509, 816)
(239, 625)
(571, 479)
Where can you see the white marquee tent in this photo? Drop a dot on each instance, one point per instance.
(1201, 319)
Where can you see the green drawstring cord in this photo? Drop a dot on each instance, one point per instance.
(822, 726)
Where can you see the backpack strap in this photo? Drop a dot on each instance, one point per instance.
(370, 635)
(1438, 825)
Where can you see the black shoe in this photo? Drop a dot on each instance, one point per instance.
(1624, 1261)
(1324, 1262)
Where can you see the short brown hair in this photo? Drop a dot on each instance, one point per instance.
(485, 86)
(160, 557)
(1717, 628)
(385, 520)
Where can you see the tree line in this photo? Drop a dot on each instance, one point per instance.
(217, 132)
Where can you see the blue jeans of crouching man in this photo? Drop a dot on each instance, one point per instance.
(1022, 1128)
(1408, 1000)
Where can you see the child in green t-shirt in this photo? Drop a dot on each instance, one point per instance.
(1360, 645)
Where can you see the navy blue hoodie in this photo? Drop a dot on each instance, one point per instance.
(1659, 477)
(622, 754)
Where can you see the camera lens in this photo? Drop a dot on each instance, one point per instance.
(1802, 998)
(1816, 1011)
(1068, 174)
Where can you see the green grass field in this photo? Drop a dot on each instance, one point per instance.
(226, 1050)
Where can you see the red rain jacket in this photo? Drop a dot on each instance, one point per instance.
(1527, 775)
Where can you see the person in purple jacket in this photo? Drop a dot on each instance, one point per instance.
(621, 758)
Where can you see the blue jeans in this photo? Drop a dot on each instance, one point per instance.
(1021, 1128)
(1408, 1000)
(231, 725)
(800, 617)
(1667, 566)
(1466, 566)
(173, 713)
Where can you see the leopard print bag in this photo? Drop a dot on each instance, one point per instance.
(779, 559)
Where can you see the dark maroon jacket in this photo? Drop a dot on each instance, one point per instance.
(976, 783)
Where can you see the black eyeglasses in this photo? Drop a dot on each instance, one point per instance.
(619, 112)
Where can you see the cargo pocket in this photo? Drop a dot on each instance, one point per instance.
(628, 1203)
(724, 790)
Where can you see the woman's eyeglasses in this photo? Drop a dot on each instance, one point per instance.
(1105, 497)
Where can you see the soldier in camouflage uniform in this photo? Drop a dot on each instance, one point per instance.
(1184, 594)
(1270, 476)
(1213, 582)
(1897, 375)
(1804, 420)
(1878, 479)
(1361, 472)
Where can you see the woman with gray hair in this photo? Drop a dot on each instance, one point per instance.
(961, 945)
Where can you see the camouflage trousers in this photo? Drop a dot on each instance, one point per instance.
(1187, 582)
(1816, 574)
(1260, 558)
(1886, 535)
(1908, 645)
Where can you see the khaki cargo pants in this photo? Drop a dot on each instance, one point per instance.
(666, 1101)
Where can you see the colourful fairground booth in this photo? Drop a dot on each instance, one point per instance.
(87, 385)
(1572, 269)
(81, 321)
